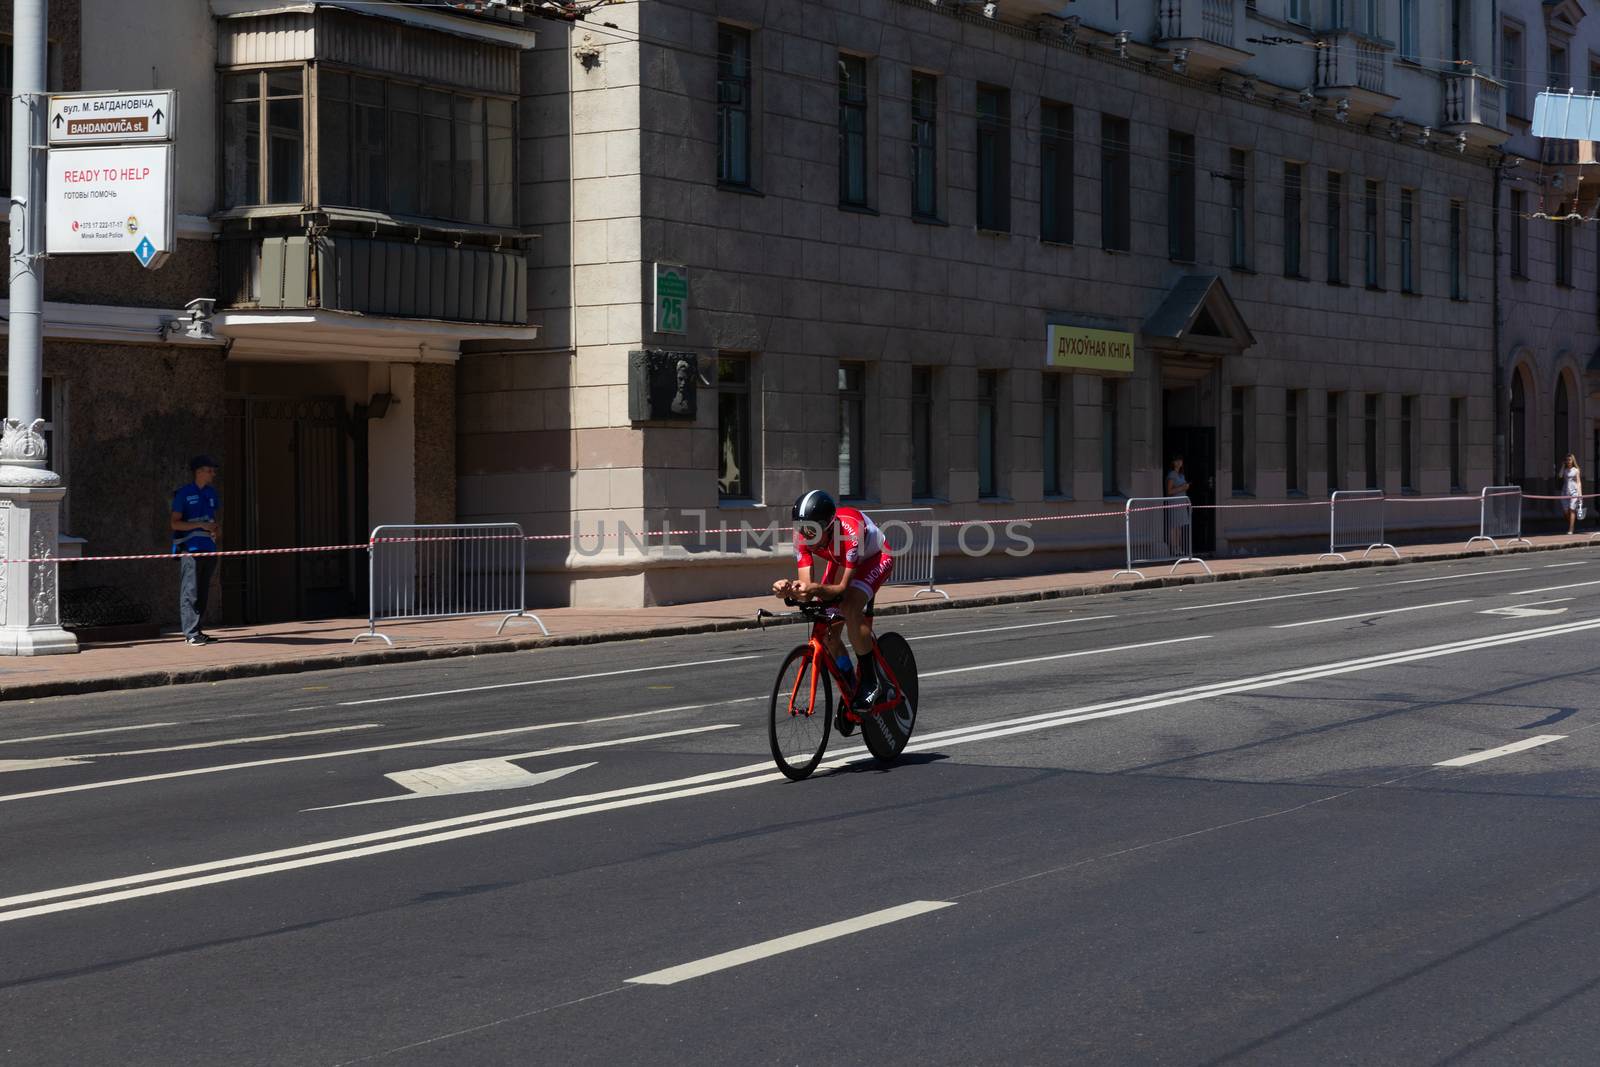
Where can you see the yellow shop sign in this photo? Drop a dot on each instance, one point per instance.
(1075, 346)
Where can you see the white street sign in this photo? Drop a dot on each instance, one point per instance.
(123, 118)
(113, 199)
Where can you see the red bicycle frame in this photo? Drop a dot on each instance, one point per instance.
(819, 655)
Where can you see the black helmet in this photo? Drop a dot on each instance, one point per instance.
(814, 509)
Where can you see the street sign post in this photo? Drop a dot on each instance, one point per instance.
(110, 181)
(113, 118)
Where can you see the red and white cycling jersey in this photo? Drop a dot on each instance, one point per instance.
(853, 539)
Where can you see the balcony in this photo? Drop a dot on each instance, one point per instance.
(1206, 30)
(392, 277)
(1355, 68)
(1474, 105)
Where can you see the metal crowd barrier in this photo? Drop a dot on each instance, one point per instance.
(1356, 518)
(1158, 530)
(1500, 516)
(447, 572)
(912, 538)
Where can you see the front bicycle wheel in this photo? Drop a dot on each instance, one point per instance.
(801, 714)
(887, 729)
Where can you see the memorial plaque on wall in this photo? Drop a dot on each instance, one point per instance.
(662, 386)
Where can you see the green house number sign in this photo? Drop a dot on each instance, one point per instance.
(672, 298)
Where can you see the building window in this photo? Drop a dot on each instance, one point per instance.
(1115, 223)
(735, 458)
(1180, 197)
(733, 105)
(1338, 18)
(1370, 428)
(1110, 453)
(1295, 11)
(925, 146)
(1458, 437)
(1240, 445)
(264, 137)
(1458, 250)
(921, 432)
(1408, 227)
(1511, 68)
(1408, 29)
(1335, 461)
(1372, 234)
(1053, 436)
(1559, 71)
(1335, 228)
(994, 159)
(1408, 450)
(1372, 17)
(1293, 219)
(1293, 477)
(1563, 257)
(1519, 234)
(852, 131)
(1239, 208)
(988, 433)
(852, 430)
(1055, 174)
(396, 148)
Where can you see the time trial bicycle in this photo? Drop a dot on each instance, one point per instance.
(801, 715)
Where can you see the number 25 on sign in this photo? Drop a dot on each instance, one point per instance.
(672, 298)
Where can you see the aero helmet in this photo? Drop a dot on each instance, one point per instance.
(813, 513)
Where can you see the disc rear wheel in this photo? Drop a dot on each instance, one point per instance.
(801, 715)
(887, 729)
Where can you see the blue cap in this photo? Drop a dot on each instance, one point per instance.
(202, 461)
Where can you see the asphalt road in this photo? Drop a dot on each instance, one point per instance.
(1209, 824)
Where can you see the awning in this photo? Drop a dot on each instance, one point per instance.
(1567, 116)
(1199, 315)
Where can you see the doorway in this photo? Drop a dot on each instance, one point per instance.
(1181, 435)
(291, 490)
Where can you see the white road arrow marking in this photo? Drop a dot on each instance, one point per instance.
(472, 776)
(1522, 613)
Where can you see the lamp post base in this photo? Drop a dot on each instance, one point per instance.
(30, 602)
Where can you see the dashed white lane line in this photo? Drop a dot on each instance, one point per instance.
(789, 943)
(214, 872)
(546, 681)
(1503, 750)
(90, 757)
(1023, 626)
(1554, 588)
(1460, 577)
(1553, 566)
(86, 733)
(1187, 608)
(1061, 655)
(1370, 614)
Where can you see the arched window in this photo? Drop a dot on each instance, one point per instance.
(1516, 455)
(1563, 422)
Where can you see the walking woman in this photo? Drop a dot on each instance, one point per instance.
(1572, 489)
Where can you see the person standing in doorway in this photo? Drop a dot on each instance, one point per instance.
(1177, 519)
(195, 528)
(1572, 489)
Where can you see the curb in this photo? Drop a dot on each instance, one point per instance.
(198, 675)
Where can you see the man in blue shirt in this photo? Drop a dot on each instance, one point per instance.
(195, 529)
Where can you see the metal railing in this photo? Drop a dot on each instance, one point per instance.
(1500, 516)
(447, 572)
(1158, 529)
(1356, 518)
(912, 538)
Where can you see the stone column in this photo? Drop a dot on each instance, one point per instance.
(30, 509)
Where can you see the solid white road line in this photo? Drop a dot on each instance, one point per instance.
(1503, 750)
(1459, 577)
(1186, 608)
(1370, 614)
(334, 851)
(276, 761)
(789, 943)
(1024, 626)
(546, 681)
(86, 733)
(1554, 588)
(230, 741)
(1553, 566)
(1061, 655)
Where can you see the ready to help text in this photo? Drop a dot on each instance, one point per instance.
(107, 174)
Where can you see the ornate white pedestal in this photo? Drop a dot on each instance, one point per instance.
(30, 613)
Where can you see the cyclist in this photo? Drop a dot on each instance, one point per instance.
(858, 566)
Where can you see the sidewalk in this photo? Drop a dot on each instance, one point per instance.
(288, 648)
